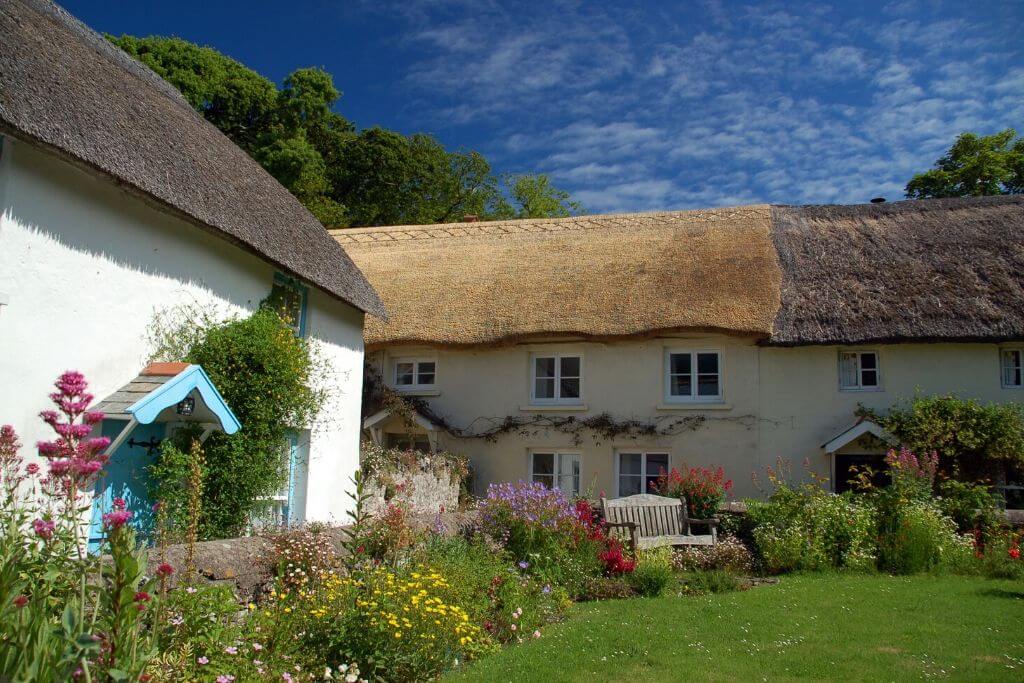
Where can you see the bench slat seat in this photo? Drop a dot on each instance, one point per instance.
(654, 521)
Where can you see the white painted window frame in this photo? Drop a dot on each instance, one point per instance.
(643, 466)
(859, 387)
(556, 461)
(1004, 353)
(416, 385)
(557, 400)
(693, 397)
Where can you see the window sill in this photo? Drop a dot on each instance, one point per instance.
(855, 390)
(419, 392)
(555, 407)
(695, 405)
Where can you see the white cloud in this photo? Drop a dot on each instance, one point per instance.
(642, 109)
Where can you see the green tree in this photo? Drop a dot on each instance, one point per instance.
(236, 99)
(374, 177)
(974, 166)
(536, 197)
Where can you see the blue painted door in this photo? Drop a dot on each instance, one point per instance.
(127, 477)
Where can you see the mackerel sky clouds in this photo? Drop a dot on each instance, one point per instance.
(652, 105)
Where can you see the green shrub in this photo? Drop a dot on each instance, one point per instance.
(653, 572)
(714, 581)
(808, 528)
(267, 375)
(973, 440)
(916, 537)
(491, 594)
(972, 506)
(1001, 558)
(607, 588)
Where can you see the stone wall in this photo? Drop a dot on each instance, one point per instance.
(423, 491)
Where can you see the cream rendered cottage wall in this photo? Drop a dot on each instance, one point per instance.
(85, 266)
(776, 401)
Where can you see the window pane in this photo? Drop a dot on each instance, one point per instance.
(680, 385)
(629, 486)
(570, 388)
(425, 378)
(425, 372)
(869, 378)
(544, 367)
(868, 361)
(403, 373)
(569, 474)
(570, 366)
(679, 363)
(544, 387)
(707, 385)
(707, 362)
(630, 463)
(543, 463)
(657, 463)
(546, 479)
(848, 369)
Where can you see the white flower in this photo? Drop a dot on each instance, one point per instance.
(351, 678)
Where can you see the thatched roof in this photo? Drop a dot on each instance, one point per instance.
(931, 270)
(924, 270)
(66, 89)
(592, 276)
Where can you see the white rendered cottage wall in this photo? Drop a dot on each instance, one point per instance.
(85, 266)
(777, 402)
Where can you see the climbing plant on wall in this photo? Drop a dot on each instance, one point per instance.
(268, 376)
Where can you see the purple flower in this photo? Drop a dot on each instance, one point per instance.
(523, 564)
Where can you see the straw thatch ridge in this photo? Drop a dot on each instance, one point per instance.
(931, 270)
(66, 89)
(609, 276)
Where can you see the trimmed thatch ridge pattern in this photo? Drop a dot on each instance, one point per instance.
(930, 270)
(66, 89)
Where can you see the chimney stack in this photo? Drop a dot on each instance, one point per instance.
(470, 218)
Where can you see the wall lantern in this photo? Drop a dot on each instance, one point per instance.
(186, 406)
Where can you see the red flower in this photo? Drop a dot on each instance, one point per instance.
(164, 570)
(20, 601)
(142, 596)
(1015, 553)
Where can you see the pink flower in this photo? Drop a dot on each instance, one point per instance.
(116, 519)
(32, 468)
(225, 678)
(536, 634)
(257, 647)
(231, 650)
(119, 504)
(203, 661)
(44, 528)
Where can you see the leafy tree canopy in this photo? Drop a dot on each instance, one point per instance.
(370, 177)
(976, 165)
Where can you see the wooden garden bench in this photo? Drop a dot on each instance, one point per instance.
(654, 521)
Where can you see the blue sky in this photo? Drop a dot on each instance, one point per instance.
(645, 106)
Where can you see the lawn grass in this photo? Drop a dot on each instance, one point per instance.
(839, 627)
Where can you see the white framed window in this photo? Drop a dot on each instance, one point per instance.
(859, 371)
(1011, 363)
(637, 470)
(556, 378)
(693, 376)
(415, 373)
(556, 470)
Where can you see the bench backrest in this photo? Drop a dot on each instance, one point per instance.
(653, 515)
